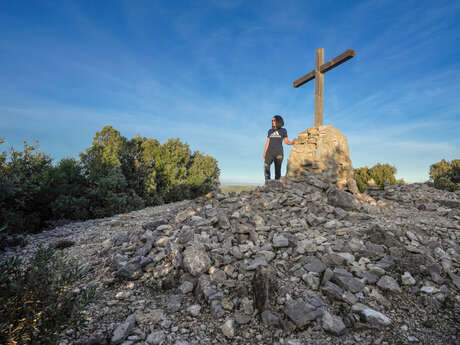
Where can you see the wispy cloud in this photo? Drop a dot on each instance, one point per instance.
(214, 73)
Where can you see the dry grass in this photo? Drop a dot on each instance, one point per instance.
(237, 189)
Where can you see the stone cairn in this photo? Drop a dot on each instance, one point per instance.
(297, 262)
(323, 152)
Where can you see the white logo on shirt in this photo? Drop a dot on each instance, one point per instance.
(275, 134)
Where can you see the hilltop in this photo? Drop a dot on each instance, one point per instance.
(297, 262)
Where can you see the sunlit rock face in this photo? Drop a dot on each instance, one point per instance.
(322, 151)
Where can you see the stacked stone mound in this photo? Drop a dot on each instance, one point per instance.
(289, 263)
(322, 151)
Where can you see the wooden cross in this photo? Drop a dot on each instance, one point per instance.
(318, 73)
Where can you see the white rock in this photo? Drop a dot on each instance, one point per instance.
(407, 279)
(229, 328)
(194, 309)
(428, 289)
(280, 241)
(371, 316)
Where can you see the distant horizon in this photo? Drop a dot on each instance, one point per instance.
(262, 182)
(223, 181)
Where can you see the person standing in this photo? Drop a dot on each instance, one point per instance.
(273, 152)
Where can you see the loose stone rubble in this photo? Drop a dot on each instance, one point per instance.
(284, 264)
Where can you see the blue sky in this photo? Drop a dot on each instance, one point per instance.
(213, 73)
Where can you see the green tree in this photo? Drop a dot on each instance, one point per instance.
(380, 173)
(171, 170)
(24, 189)
(362, 177)
(104, 154)
(138, 165)
(69, 188)
(202, 174)
(110, 168)
(440, 169)
(109, 195)
(2, 158)
(446, 175)
(455, 174)
(114, 175)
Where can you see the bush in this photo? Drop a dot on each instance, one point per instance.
(446, 175)
(380, 173)
(202, 174)
(25, 189)
(70, 189)
(114, 175)
(362, 177)
(37, 302)
(171, 165)
(109, 195)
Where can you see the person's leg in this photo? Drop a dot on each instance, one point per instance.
(278, 161)
(268, 161)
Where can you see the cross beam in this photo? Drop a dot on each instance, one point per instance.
(318, 74)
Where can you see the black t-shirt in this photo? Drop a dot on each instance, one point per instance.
(276, 137)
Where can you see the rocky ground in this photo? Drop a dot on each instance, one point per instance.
(290, 263)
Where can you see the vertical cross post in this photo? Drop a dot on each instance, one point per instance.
(318, 74)
(319, 87)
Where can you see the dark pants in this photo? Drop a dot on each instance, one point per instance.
(271, 157)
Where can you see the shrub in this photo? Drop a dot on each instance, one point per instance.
(70, 189)
(36, 301)
(446, 175)
(114, 175)
(380, 173)
(362, 178)
(25, 190)
(202, 174)
(109, 195)
(171, 168)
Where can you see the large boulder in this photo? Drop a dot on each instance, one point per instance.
(322, 151)
(196, 260)
(342, 199)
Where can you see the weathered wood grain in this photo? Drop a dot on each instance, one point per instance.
(305, 79)
(337, 60)
(319, 87)
(318, 74)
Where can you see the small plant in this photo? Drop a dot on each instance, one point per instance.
(36, 301)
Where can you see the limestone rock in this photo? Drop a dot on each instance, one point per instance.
(343, 199)
(302, 313)
(322, 151)
(371, 316)
(280, 241)
(407, 279)
(123, 330)
(270, 319)
(196, 260)
(156, 338)
(332, 323)
(388, 283)
(261, 286)
(229, 328)
(329, 259)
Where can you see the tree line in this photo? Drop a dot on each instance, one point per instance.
(114, 175)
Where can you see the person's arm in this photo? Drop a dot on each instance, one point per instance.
(287, 142)
(266, 147)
